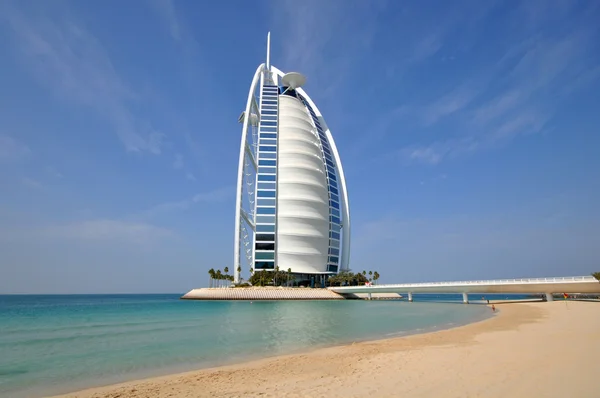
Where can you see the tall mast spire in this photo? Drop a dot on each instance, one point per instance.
(268, 64)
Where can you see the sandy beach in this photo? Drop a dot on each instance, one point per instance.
(527, 350)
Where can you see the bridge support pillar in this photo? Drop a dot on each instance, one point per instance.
(369, 295)
(465, 298)
(549, 297)
(410, 298)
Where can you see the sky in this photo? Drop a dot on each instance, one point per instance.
(468, 132)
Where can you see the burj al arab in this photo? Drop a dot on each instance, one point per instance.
(292, 211)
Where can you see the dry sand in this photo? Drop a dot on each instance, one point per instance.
(529, 350)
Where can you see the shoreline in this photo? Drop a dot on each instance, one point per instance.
(519, 340)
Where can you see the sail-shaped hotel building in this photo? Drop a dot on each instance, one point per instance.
(292, 210)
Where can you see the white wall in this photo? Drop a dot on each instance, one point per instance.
(303, 206)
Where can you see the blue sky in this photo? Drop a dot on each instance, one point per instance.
(468, 130)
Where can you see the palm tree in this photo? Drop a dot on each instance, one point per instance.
(239, 271)
(596, 275)
(370, 275)
(289, 276)
(211, 272)
(375, 276)
(226, 269)
(219, 276)
(365, 273)
(276, 273)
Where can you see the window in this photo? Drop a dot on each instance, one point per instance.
(333, 259)
(335, 252)
(326, 151)
(265, 237)
(267, 185)
(335, 235)
(266, 194)
(268, 123)
(268, 135)
(335, 212)
(334, 243)
(267, 163)
(335, 219)
(265, 228)
(265, 210)
(264, 256)
(331, 176)
(267, 170)
(265, 219)
(335, 198)
(267, 155)
(270, 112)
(268, 178)
(335, 205)
(265, 246)
(265, 202)
(268, 148)
(333, 190)
(268, 129)
(264, 265)
(329, 162)
(332, 268)
(264, 141)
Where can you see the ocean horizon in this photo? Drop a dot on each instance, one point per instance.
(52, 344)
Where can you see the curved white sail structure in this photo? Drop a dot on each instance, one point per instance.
(292, 209)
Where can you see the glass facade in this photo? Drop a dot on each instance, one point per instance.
(266, 185)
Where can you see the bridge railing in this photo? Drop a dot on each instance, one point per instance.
(559, 279)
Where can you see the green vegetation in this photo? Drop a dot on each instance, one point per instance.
(271, 278)
(596, 275)
(218, 278)
(346, 278)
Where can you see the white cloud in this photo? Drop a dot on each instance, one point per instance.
(523, 87)
(74, 64)
(214, 196)
(178, 162)
(31, 183)
(11, 149)
(166, 8)
(108, 230)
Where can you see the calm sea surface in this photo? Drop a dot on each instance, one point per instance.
(55, 344)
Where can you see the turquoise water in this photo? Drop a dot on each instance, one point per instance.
(57, 344)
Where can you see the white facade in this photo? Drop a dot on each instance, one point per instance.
(302, 198)
(292, 207)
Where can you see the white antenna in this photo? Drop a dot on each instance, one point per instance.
(292, 80)
(268, 65)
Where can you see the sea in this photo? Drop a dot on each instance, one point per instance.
(54, 344)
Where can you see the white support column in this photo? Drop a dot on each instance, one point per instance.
(369, 296)
(465, 298)
(410, 297)
(240, 180)
(549, 297)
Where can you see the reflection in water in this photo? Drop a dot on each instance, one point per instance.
(51, 343)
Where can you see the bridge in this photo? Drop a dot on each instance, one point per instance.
(546, 286)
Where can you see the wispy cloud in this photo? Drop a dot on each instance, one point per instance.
(12, 149)
(322, 39)
(31, 183)
(214, 196)
(517, 94)
(74, 64)
(108, 230)
(166, 8)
